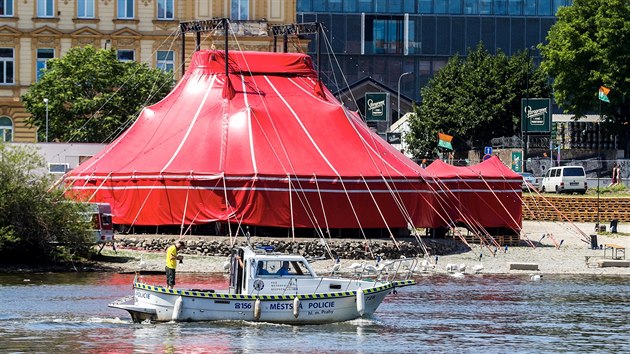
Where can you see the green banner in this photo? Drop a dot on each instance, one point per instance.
(394, 138)
(517, 161)
(536, 114)
(377, 106)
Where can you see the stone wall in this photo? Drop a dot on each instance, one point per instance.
(345, 249)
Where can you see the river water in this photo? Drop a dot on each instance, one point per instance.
(68, 313)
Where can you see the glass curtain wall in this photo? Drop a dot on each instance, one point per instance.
(383, 39)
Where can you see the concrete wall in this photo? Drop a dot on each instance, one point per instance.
(60, 153)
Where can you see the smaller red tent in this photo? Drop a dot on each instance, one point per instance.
(488, 193)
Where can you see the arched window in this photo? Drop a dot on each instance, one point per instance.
(6, 129)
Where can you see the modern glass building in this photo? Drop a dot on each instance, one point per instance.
(383, 39)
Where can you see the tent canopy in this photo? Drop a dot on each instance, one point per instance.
(272, 152)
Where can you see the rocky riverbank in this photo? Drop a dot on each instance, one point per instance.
(309, 248)
(563, 250)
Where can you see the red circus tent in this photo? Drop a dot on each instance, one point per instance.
(488, 193)
(266, 145)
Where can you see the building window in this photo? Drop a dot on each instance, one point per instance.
(424, 68)
(485, 7)
(166, 8)
(56, 167)
(440, 7)
(6, 66)
(165, 60)
(530, 7)
(515, 7)
(545, 8)
(85, 8)
(45, 8)
(455, 7)
(125, 8)
(385, 34)
(500, 7)
(6, 8)
(43, 56)
(6, 129)
(334, 5)
(239, 10)
(365, 5)
(126, 54)
(425, 6)
(470, 7)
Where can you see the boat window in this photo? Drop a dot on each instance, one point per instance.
(300, 268)
(285, 268)
(262, 268)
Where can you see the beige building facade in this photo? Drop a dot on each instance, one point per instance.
(34, 31)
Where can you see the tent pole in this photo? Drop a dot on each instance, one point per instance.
(275, 43)
(198, 42)
(183, 53)
(319, 48)
(291, 207)
(225, 26)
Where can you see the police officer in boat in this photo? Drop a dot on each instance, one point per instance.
(284, 270)
(171, 262)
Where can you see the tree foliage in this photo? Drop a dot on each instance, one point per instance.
(589, 46)
(474, 99)
(92, 97)
(36, 226)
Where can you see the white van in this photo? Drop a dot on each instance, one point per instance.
(564, 179)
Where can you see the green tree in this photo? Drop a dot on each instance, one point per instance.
(589, 46)
(36, 225)
(92, 97)
(475, 99)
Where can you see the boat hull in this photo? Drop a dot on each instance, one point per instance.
(158, 304)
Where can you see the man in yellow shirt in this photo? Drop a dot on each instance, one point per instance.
(171, 262)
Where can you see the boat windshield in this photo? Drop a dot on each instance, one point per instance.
(282, 267)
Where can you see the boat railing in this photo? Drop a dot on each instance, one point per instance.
(389, 270)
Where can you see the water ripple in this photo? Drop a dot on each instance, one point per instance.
(489, 313)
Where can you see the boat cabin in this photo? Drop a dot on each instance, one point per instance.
(262, 272)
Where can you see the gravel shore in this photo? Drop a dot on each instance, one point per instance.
(573, 256)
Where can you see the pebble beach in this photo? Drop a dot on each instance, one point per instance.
(566, 251)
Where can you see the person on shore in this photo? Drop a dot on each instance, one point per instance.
(618, 174)
(614, 176)
(171, 262)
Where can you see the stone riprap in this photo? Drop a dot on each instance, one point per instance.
(212, 246)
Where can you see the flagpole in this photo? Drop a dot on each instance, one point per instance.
(599, 159)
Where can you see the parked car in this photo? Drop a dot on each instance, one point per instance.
(564, 179)
(529, 181)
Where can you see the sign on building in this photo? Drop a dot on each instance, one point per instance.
(377, 106)
(536, 115)
(517, 161)
(394, 138)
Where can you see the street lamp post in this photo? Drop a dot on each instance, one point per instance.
(399, 78)
(525, 140)
(46, 102)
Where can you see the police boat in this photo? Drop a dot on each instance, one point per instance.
(269, 287)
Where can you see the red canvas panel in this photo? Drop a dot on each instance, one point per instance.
(198, 157)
